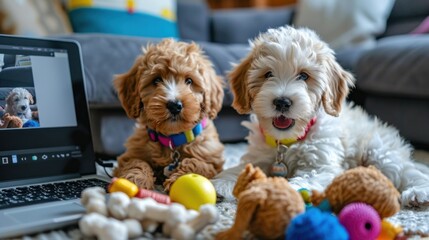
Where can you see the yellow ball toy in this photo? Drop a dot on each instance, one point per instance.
(192, 191)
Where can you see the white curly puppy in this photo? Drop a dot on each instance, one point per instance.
(18, 103)
(296, 91)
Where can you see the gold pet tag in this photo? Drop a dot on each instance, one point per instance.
(278, 168)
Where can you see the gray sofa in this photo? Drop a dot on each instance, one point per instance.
(392, 78)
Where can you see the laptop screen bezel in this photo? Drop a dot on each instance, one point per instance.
(45, 138)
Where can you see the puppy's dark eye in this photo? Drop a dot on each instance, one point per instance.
(16, 99)
(157, 80)
(188, 81)
(302, 76)
(268, 75)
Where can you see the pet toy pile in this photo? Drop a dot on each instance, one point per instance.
(352, 207)
(9, 121)
(129, 212)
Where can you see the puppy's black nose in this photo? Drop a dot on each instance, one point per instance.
(174, 107)
(282, 104)
(23, 107)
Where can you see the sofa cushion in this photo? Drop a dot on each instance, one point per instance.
(98, 52)
(396, 67)
(238, 26)
(222, 57)
(103, 57)
(349, 57)
(410, 116)
(193, 19)
(403, 9)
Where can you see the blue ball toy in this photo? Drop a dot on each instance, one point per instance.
(31, 123)
(315, 224)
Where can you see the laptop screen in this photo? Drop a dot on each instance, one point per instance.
(44, 123)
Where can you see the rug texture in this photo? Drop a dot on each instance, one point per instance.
(415, 222)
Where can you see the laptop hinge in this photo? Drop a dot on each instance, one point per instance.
(37, 180)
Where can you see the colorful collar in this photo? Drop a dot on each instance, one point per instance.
(178, 139)
(270, 140)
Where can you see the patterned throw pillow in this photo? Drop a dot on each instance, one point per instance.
(33, 17)
(148, 18)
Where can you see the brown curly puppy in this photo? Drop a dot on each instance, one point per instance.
(265, 205)
(174, 93)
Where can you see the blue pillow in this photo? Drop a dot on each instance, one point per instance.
(146, 18)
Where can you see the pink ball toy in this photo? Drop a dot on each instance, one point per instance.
(361, 221)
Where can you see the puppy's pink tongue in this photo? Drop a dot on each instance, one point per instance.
(282, 122)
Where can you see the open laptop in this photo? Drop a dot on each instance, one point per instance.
(45, 164)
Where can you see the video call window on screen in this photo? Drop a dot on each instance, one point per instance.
(36, 91)
(18, 100)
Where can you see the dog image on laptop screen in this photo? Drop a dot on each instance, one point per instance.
(18, 104)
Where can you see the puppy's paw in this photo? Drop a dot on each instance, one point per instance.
(417, 196)
(141, 180)
(305, 182)
(168, 183)
(228, 234)
(224, 188)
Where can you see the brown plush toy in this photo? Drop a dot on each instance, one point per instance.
(266, 205)
(361, 184)
(10, 121)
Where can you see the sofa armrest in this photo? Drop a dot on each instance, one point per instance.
(239, 25)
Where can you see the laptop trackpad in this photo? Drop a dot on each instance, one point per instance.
(56, 212)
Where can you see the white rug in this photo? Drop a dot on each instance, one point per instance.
(414, 221)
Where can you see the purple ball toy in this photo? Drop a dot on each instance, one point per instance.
(361, 221)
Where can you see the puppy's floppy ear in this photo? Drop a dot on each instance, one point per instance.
(214, 92)
(128, 91)
(214, 96)
(30, 98)
(238, 82)
(339, 82)
(9, 97)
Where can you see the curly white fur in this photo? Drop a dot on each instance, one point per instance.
(343, 137)
(18, 104)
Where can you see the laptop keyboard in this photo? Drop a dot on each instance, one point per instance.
(58, 191)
